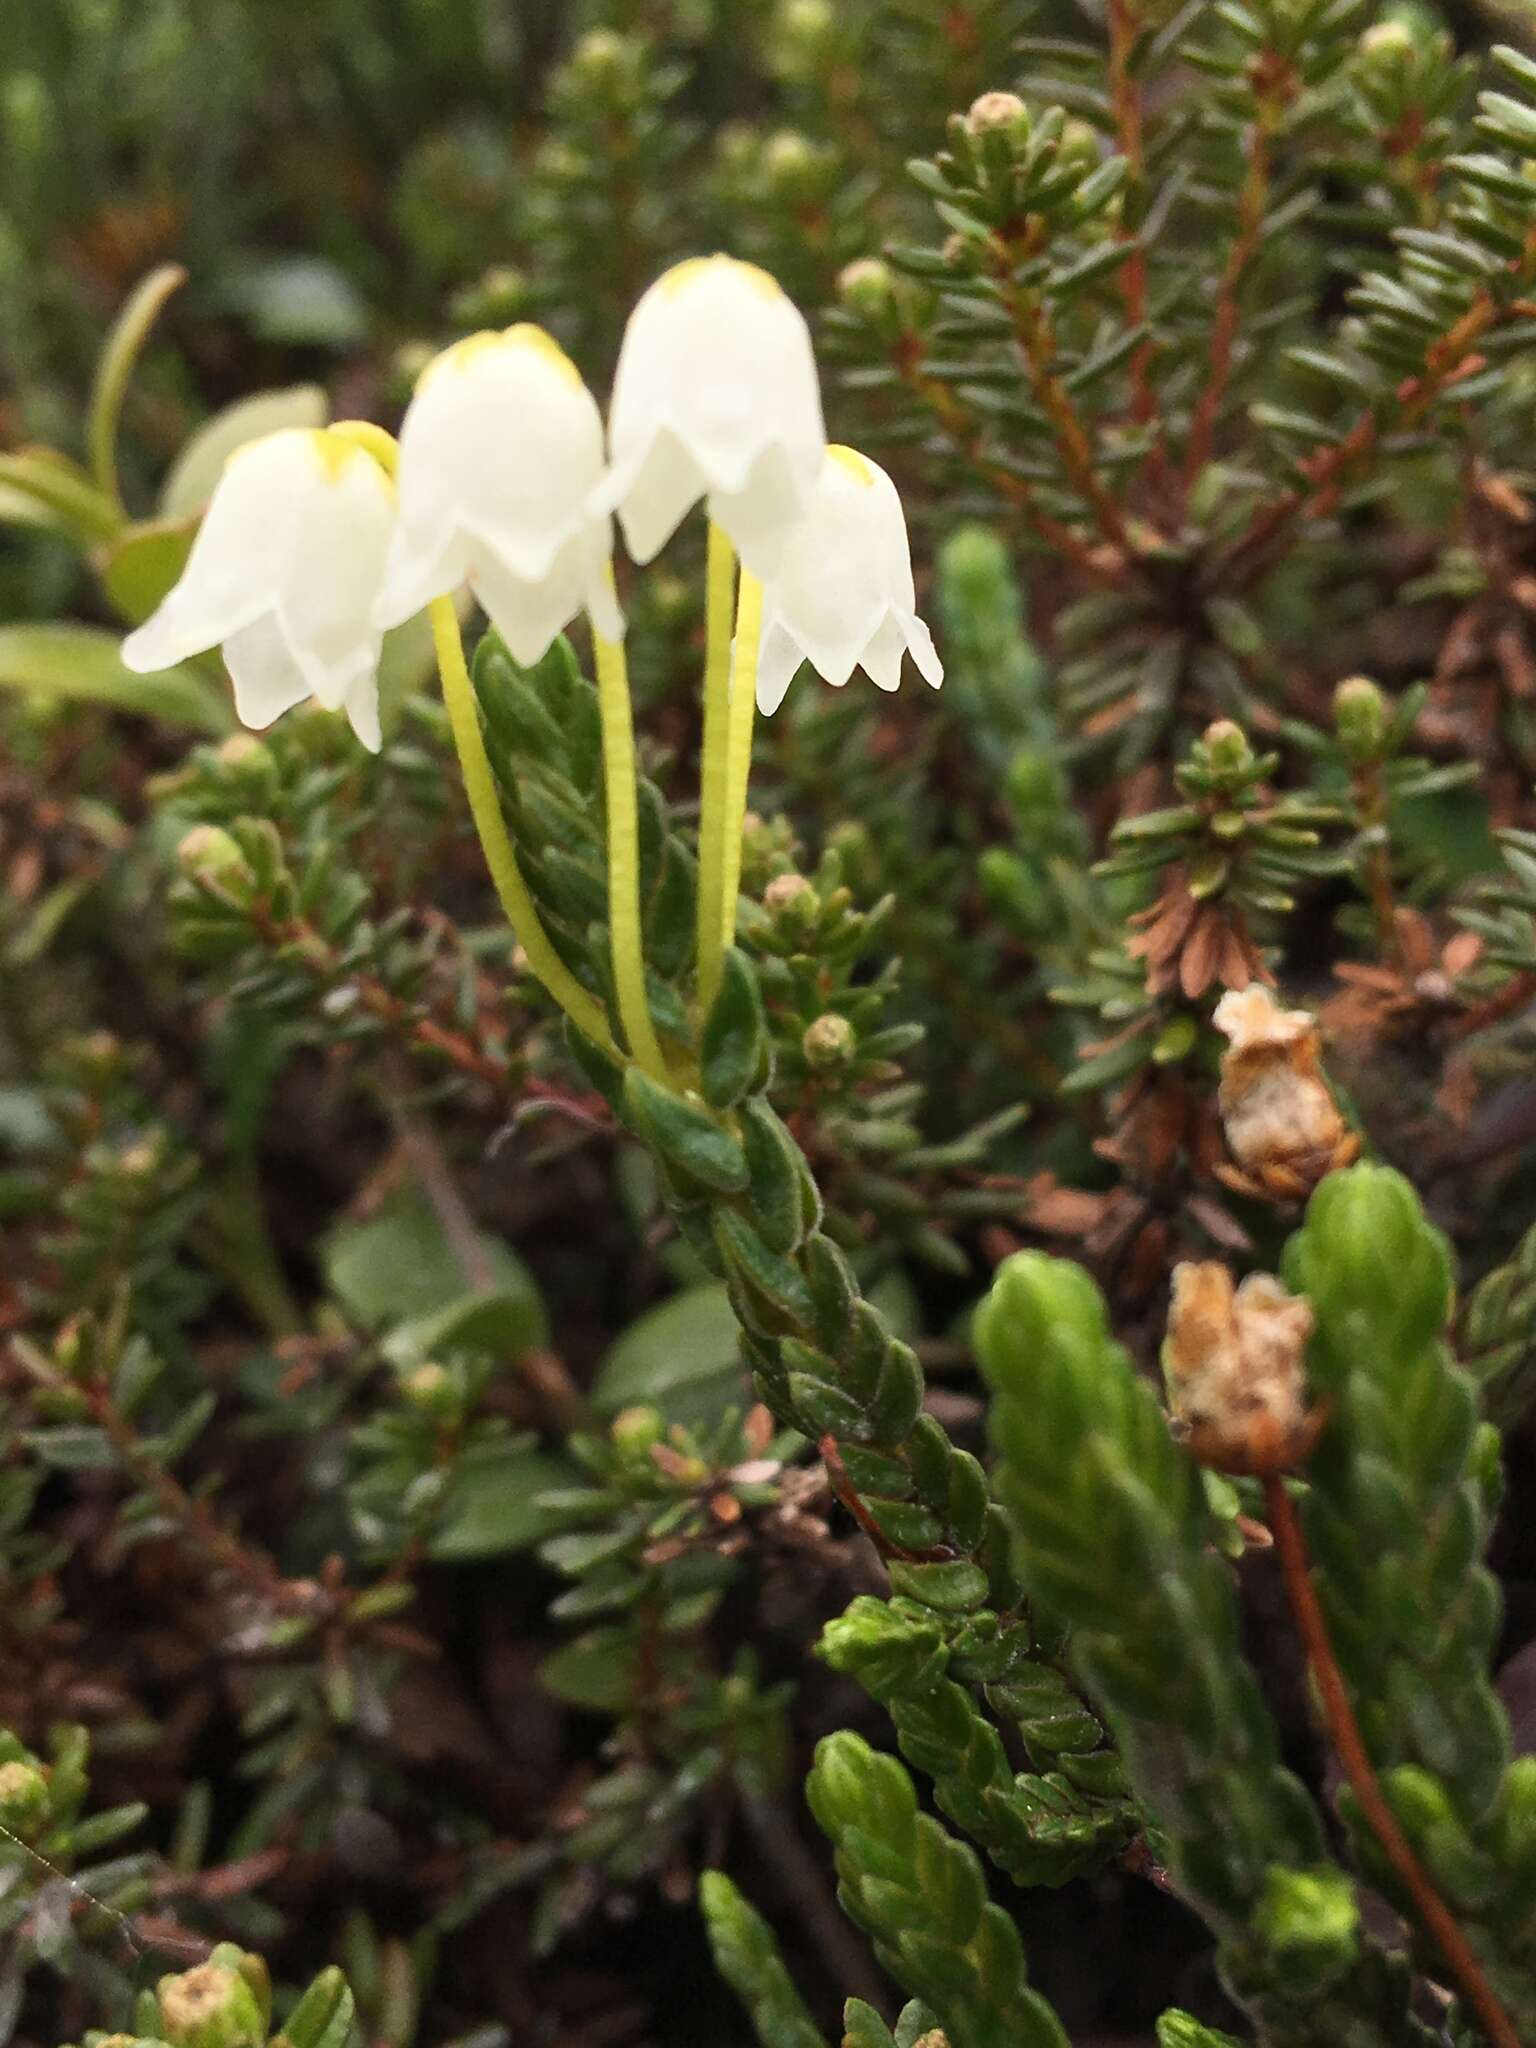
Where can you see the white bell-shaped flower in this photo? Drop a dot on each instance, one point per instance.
(283, 576)
(843, 597)
(715, 396)
(500, 450)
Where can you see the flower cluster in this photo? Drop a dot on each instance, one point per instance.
(316, 542)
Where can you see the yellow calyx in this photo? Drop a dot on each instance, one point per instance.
(681, 275)
(858, 466)
(345, 438)
(524, 334)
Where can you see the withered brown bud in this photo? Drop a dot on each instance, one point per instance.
(1283, 1126)
(1235, 1360)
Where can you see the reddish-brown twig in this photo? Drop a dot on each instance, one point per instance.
(1349, 1744)
(1274, 85)
(1125, 106)
(847, 1493)
(968, 440)
(1448, 359)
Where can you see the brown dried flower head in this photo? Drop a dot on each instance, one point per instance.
(1282, 1124)
(1235, 1359)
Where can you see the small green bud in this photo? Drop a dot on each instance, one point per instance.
(1309, 1919)
(999, 113)
(671, 600)
(23, 1798)
(1360, 720)
(805, 23)
(243, 752)
(1226, 748)
(1387, 46)
(1517, 1818)
(598, 54)
(210, 2007)
(737, 147)
(1036, 784)
(495, 299)
(792, 163)
(793, 904)
(430, 1388)
(408, 363)
(635, 1429)
(28, 114)
(1079, 145)
(829, 1042)
(209, 855)
(867, 287)
(142, 1157)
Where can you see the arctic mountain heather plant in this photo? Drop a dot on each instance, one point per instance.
(635, 1291)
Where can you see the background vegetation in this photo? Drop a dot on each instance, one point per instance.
(399, 1568)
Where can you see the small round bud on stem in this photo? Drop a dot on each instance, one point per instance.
(429, 1388)
(1387, 46)
(999, 113)
(785, 890)
(792, 163)
(806, 25)
(635, 1429)
(867, 286)
(23, 1797)
(829, 1042)
(1227, 747)
(1079, 145)
(1360, 720)
(208, 854)
(210, 2007)
(598, 54)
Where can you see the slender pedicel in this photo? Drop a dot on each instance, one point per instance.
(584, 1011)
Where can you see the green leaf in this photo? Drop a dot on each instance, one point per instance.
(115, 366)
(747, 1955)
(139, 568)
(201, 462)
(596, 1671)
(687, 1138)
(82, 664)
(400, 1268)
(681, 1357)
(734, 1053)
(495, 1504)
(504, 1324)
(323, 2016)
(64, 494)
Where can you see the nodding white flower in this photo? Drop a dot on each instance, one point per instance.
(500, 450)
(282, 576)
(715, 396)
(842, 596)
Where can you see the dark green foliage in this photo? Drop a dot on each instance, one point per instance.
(1117, 1541)
(1413, 1611)
(469, 1576)
(1041, 1827)
(748, 1957)
(919, 1894)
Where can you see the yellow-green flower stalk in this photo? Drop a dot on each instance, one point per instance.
(713, 772)
(626, 935)
(738, 759)
(583, 1009)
